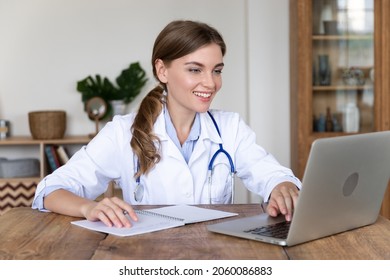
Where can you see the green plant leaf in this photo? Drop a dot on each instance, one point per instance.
(130, 82)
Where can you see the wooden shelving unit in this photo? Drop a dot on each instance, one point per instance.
(367, 51)
(16, 192)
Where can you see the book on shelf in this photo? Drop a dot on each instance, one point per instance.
(158, 219)
(52, 157)
(63, 154)
(57, 155)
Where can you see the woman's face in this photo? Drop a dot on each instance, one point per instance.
(193, 80)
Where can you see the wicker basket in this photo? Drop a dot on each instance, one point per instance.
(47, 124)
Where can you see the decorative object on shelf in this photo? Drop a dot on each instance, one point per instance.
(22, 168)
(96, 108)
(372, 74)
(353, 77)
(330, 27)
(314, 75)
(324, 70)
(128, 85)
(47, 124)
(337, 122)
(329, 120)
(351, 118)
(118, 107)
(4, 129)
(320, 123)
(326, 14)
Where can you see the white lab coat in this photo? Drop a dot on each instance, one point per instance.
(172, 181)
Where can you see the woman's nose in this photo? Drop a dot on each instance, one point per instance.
(209, 80)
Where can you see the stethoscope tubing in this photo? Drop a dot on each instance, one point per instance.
(220, 150)
(211, 163)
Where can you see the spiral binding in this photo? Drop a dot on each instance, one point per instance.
(148, 213)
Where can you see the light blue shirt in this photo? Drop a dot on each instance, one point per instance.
(188, 146)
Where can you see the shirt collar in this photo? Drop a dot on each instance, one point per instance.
(170, 129)
(207, 129)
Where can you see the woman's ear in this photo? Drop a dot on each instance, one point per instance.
(161, 71)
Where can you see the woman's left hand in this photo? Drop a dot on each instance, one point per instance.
(282, 200)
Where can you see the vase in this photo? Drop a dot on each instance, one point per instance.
(321, 123)
(351, 120)
(118, 107)
(323, 70)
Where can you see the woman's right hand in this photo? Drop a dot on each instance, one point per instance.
(112, 211)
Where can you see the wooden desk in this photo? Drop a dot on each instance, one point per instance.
(29, 234)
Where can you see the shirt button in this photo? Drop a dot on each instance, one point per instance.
(188, 194)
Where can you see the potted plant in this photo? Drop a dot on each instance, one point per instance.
(128, 85)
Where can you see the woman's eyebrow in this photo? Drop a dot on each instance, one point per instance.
(201, 65)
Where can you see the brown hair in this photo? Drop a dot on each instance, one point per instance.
(176, 40)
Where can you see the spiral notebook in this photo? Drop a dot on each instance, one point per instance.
(158, 219)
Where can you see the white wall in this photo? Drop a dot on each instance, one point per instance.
(47, 46)
(268, 74)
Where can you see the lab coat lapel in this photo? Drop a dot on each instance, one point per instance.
(167, 144)
(208, 137)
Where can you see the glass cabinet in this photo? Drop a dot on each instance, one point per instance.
(339, 67)
(343, 66)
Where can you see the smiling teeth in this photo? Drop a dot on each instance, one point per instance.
(201, 94)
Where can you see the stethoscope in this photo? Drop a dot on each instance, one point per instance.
(139, 190)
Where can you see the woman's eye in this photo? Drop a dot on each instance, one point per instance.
(194, 70)
(218, 71)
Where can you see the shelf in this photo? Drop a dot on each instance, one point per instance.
(12, 188)
(28, 140)
(341, 37)
(342, 87)
(19, 179)
(318, 135)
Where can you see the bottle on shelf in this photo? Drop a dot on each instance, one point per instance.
(351, 118)
(329, 120)
(324, 70)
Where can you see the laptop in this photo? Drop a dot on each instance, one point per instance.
(342, 189)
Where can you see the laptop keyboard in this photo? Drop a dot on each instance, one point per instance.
(278, 230)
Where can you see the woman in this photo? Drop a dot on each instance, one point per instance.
(163, 154)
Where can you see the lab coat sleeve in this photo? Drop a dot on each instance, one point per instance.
(90, 169)
(258, 169)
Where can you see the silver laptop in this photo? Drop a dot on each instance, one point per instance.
(342, 189)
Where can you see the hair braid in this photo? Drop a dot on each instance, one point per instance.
(144, 140)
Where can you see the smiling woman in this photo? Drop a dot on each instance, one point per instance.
(185, 55)
(191, 83)
(174, 149)
(102, 38)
